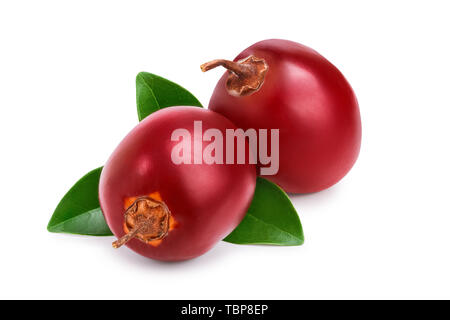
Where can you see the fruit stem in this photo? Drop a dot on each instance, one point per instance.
(148, 220)
(246, 76)
(239, 69)
(130, 235)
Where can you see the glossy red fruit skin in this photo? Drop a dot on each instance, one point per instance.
(206, 201)
(312, 104)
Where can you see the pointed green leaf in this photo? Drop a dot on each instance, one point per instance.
(79, 210)
(271, 219)
(154, 92)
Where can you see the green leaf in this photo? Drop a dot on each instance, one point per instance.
(154, 93)
(79, 210)
(271, 219)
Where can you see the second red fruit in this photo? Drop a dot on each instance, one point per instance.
(280, 84)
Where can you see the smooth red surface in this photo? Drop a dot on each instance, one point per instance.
(207, 201)
(312, 104)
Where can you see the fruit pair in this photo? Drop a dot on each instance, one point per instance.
(171, 210)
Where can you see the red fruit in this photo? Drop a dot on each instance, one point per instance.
(279, 84)
(169, 211)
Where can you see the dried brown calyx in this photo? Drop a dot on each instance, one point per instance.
(246, 75)
(146, 219)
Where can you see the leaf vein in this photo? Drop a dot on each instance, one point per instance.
(274, 226)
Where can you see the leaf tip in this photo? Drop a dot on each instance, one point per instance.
(50, 228)
(140, 74)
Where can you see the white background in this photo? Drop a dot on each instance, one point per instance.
(67, 97)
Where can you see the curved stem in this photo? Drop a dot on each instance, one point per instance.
(235, 67)
(130, 235)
